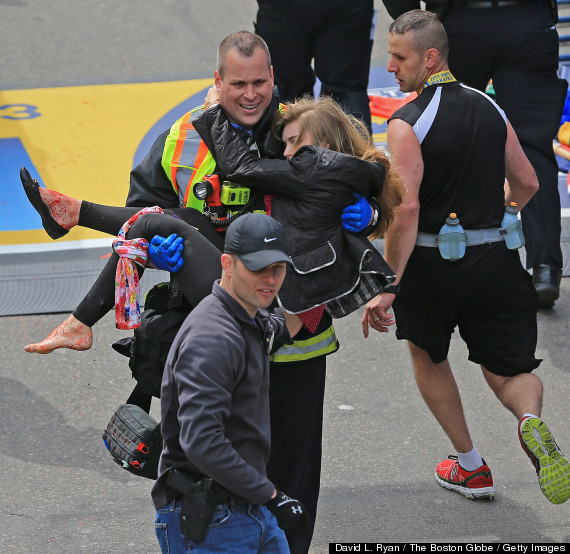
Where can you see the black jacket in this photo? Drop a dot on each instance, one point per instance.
(311, 189)
(149, 184)
(215, 399)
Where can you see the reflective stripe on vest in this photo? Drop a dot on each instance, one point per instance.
(319, 345)
(186, 159)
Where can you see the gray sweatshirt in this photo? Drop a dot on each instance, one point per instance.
(215, 400)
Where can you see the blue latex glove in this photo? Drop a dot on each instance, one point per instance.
(166, 254)
(357, 216)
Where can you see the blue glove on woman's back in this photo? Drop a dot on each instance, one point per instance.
(356, 217)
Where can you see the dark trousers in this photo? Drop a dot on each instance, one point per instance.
(296, 402)
(336, 34)
(201, 258)
(517, 47)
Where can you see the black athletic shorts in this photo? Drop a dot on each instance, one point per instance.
(487, 294)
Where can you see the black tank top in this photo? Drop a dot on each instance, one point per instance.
(462, 134)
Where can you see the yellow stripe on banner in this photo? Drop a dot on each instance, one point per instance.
(379, 139)
(84, 138)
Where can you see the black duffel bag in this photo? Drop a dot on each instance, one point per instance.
(132, 436)
(148, 349)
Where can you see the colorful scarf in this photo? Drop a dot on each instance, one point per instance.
(127, 309)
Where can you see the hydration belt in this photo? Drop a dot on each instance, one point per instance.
(472, 237)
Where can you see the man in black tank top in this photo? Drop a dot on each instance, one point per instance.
(515, 43)
(453, 148)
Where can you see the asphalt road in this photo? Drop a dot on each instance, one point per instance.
(75, 42)
(60, 491)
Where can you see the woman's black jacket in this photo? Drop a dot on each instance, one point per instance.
(311, 190)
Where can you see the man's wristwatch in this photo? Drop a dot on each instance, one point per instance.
(376, 216)
(392, 289)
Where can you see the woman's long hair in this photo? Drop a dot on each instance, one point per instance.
(332, 128)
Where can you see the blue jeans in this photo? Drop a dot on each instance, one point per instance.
(235, 527)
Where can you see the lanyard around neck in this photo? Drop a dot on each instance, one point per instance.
(439, 78)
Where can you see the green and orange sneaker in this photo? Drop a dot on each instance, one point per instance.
(471, 484)
(551, 466)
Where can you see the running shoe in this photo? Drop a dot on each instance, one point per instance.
(552, 467)
(471, 484)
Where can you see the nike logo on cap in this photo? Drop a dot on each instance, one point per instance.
(269, 240)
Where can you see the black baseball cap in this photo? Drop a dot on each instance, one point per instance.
(257, 240)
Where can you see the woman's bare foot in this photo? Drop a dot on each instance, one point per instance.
(63, 209)
(70, 334)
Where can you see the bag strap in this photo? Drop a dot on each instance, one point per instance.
(140, 399)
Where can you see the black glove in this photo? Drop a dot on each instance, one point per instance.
(277, 333)
(288, 512)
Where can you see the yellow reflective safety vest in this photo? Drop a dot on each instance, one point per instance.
(185, 160)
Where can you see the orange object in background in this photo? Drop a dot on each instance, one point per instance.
(385, 106)
(564, 133)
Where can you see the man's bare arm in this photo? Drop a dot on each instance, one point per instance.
(406, 156)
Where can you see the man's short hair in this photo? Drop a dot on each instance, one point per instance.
(428, 32)
(243, 42)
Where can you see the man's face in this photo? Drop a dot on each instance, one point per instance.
(252, 289)
(246, 88)
(405, 62)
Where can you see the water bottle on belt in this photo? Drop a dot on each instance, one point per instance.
(511, 227)
(451, 240)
